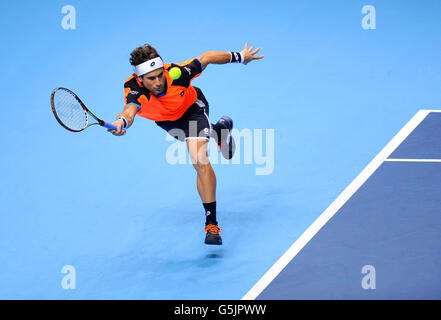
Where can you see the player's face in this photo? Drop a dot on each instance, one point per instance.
(154, 81)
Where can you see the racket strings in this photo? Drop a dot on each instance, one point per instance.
(69, 111)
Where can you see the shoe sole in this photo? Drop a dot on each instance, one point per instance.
(214, 243)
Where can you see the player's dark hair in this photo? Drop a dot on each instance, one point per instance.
(142, 54)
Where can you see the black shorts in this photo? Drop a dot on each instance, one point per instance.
(194, 123)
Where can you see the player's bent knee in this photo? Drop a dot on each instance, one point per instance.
(201, 166)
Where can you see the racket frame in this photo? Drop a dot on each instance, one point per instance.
(86, 112)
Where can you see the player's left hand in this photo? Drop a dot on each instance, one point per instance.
(249, 54)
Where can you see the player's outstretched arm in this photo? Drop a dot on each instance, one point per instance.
(221, 57)
(127, 115)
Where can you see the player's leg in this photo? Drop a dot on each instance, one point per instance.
(206, 185)
(221, 130)
(206, 178)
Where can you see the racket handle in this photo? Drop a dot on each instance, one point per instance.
(110, 126)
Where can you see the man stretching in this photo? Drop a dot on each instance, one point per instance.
(182, 110)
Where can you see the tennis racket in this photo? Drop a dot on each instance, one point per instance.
(71, 112)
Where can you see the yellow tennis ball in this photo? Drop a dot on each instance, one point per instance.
(175, 73)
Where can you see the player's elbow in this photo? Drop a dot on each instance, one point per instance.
(204, 59)
(131, 109)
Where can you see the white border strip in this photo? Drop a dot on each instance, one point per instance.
(298, 245)
(412, 160)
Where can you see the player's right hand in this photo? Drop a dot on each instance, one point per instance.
(119, 131)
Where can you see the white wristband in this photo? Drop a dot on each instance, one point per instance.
(237, 57)
(125, 122)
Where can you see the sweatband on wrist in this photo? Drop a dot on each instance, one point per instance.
(237, 57)
(124, 120)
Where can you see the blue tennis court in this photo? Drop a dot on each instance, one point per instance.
(387, 230)
(333, 188)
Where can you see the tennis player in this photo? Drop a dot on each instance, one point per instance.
(183, 111)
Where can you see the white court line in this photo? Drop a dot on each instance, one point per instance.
(298, 245)
(412, 160)
(429, 110)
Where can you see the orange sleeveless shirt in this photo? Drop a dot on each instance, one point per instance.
(178, 97)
